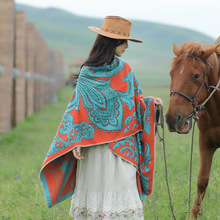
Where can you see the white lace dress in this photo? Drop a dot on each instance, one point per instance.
(106, 187)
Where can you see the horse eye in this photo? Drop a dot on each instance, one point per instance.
(196, 76)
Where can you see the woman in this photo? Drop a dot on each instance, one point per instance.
(109, 127)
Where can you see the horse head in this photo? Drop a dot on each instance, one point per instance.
(190, 72)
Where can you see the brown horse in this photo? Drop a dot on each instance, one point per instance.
(194, 75)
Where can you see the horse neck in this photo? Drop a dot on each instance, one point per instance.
(213, 105)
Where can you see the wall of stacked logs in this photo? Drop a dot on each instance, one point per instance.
(30, 72)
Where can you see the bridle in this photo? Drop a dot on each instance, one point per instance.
(191, 99)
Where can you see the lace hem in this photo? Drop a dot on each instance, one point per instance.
(83, 214)
(116, 202)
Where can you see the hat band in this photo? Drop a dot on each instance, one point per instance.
(117, 32)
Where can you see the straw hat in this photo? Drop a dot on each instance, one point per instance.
(115, 27)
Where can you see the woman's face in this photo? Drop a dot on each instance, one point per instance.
(119, 50)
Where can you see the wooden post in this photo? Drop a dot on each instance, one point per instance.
(6, 60)
(37, 72)
(30, 67)
(60, 70)
(53, 69)
(20, 64)
(43, 73)
(50, 72)
(47, 73)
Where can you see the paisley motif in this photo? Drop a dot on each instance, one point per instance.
(57, 145)
(128, 120)
(70, 133)
(83, 130)
(147, 158)
(147, 113)
(127, 97)
(102, 103)
(127, 147)
(74, 102)
(144, 168)
(140, 112)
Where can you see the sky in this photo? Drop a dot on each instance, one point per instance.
(199, 15)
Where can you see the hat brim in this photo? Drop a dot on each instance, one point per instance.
(112, 35)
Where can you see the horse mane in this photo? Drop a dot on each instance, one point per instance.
(195, 49)
(189, 48)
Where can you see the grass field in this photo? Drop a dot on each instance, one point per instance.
(23, 150)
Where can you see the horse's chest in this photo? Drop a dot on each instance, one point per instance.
(210, 128)
(212, 135)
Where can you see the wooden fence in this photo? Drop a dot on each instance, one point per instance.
(30, 72)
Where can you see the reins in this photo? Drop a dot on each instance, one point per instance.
(215, 89)
(162, 139)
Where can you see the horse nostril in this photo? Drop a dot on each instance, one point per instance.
(178, 118)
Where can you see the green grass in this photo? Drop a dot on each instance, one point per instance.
(23, 150)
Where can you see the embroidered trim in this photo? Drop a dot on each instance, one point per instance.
(129, 214)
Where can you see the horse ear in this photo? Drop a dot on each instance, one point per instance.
(218, 53)
(206, 53)
(176, 50)
(218, 49)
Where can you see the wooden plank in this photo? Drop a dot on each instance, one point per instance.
(30, 67)
(20, 65)
(6, 60)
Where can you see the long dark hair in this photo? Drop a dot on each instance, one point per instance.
(102, 52)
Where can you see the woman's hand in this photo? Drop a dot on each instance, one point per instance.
(158, 102)
(76, 153)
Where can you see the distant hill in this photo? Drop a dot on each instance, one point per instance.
(150, 60)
